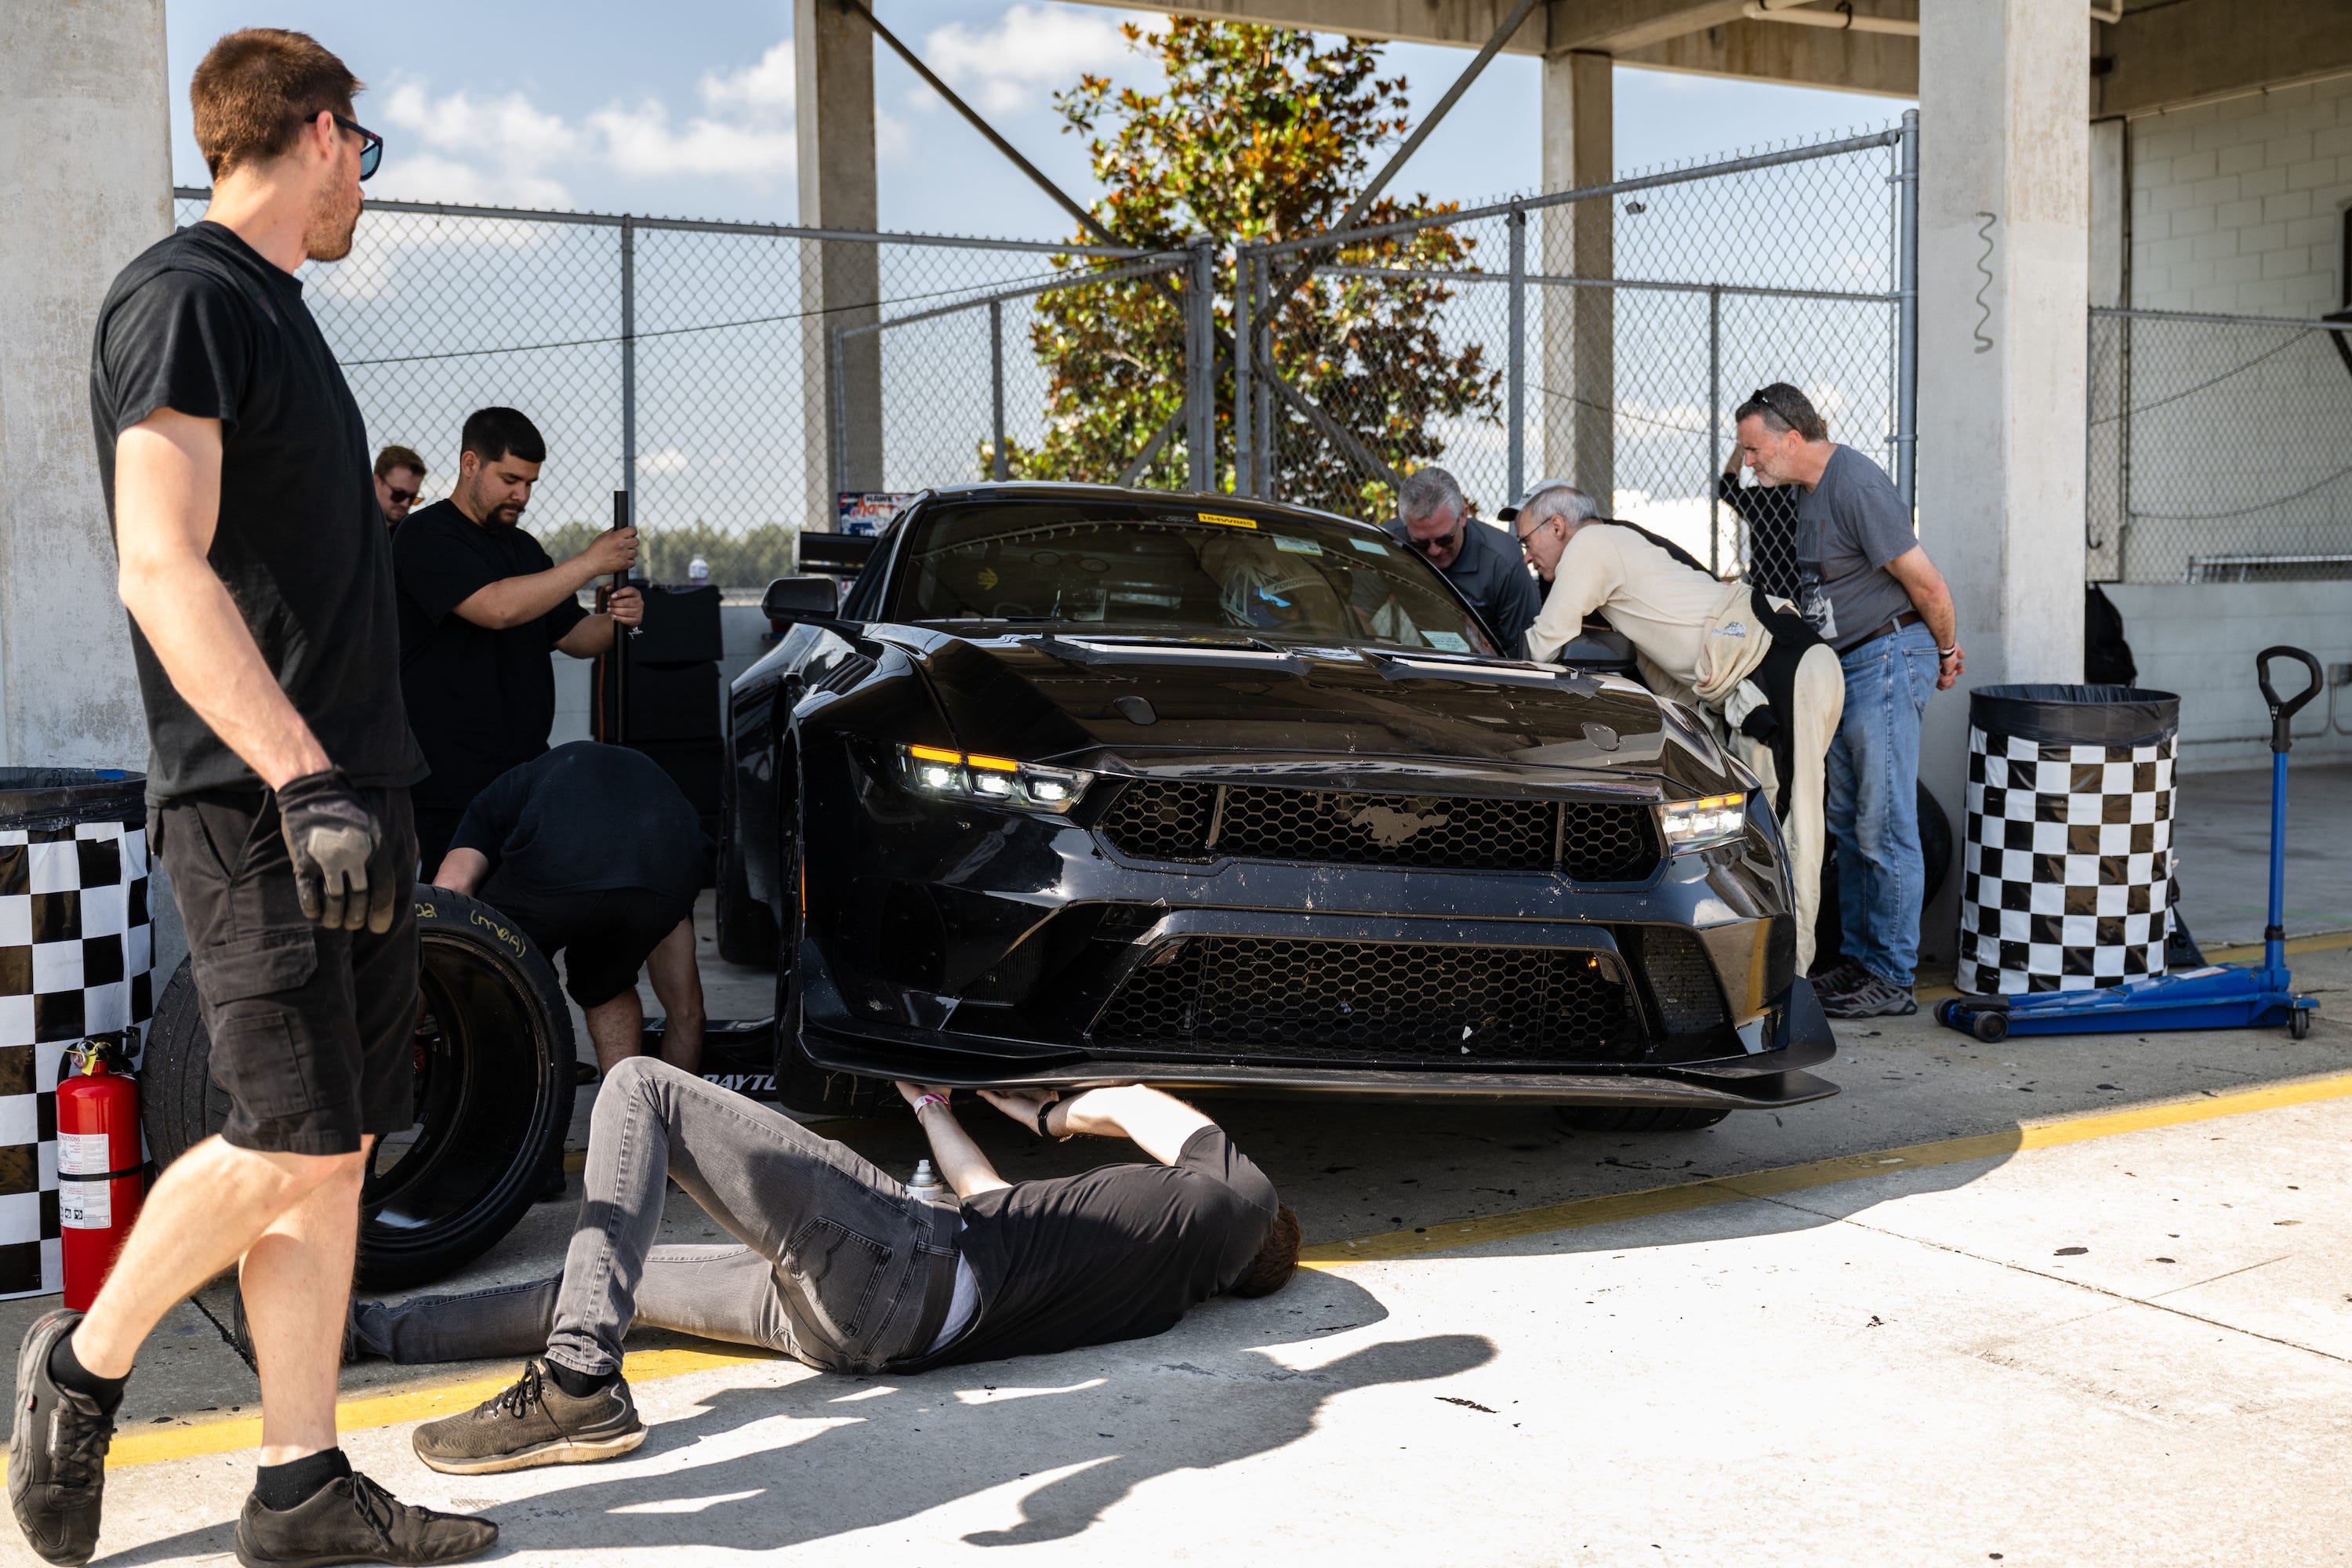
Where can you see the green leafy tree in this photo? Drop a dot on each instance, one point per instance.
(1258, 134)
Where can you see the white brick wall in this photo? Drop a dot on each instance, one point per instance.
(2236, 207)
(2198, 642)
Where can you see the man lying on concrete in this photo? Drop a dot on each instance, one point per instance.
(1757, 664)
(596, 854)
(841, 1267)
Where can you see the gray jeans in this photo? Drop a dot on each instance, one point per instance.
(838, 1266)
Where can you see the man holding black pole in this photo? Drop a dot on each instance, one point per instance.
(252, 558)
(481, 602)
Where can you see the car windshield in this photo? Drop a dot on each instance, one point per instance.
(1142, 570)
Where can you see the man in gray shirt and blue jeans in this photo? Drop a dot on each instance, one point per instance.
(1868, 588)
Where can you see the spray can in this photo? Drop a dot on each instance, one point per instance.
(925, 1183)
(697, 572)
(101, 1168)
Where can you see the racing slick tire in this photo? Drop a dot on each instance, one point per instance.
(494, 1084)
(1634, 1118)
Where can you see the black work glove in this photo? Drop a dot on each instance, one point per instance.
(343, 873)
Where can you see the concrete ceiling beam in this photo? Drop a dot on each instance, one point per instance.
(1803, 56)
(1465, 23)
(2196, 51)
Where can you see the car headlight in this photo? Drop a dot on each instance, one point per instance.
(1701, 823)
(992, 781)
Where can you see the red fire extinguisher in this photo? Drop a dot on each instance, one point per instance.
(101, 1169)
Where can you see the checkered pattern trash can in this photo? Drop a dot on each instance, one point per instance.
(75, 958)
(2066, 864)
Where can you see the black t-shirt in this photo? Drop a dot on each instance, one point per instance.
(201, 324)
(1120, 1253)
(587, 819)
(481, 702)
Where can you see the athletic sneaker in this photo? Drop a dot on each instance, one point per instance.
(1841, 978)
(1874, 998)
(56, 1451)
(352, 1519)
(533, 1422)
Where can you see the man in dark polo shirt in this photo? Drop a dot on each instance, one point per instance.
(254, 562)
(481, 604)
(1482, 562)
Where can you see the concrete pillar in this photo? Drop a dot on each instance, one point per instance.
(2108, 369)
(1579, 352)
(832, 57)
(85, 185)
(2004, 238)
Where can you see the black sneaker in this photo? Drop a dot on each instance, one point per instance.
(532, 1423)
(56, 1451)
(1874, 998)
(1842, 978)
(352, 1519)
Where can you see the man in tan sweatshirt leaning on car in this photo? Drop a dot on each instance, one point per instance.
(1747, 660)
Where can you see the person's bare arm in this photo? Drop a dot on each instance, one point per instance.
(511, 601)
(962, 1165)
(462, 871)
(1933, 599)
(594, 634)
(166, 505)
(1159, 1124)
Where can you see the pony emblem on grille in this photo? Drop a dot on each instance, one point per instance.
(1390, 827)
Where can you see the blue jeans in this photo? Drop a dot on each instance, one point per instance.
(1872, 802)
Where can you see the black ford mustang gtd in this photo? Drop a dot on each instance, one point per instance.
(1083, 783)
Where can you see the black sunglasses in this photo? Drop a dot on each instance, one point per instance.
(371, 145)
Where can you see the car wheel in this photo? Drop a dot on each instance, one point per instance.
(493, 1079)
(801, 1084)
(747, 929)
(1634, 1119)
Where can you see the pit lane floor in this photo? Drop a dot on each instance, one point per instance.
(2061, 1301)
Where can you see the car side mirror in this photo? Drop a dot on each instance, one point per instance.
(802, 599)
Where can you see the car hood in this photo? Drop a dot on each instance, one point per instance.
(1049, 697)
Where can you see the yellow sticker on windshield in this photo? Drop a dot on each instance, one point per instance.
(1228, 522)
(987, 578)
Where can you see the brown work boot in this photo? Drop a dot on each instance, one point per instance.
(532, 1423)
(352, 1519)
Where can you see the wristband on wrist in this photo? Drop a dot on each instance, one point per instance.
(1948, 652)
(1045, 1111)
(927, 1101)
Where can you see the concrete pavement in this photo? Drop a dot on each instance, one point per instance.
(1688, 1352)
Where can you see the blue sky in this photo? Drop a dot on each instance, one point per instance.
(687, 109)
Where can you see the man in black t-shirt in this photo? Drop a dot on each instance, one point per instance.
(481, 604)
(253, 563)
(596, 854)
(843, 1268)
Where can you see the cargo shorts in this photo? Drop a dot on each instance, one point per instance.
(312, 1030)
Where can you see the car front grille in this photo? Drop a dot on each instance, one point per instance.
(1411, 1003)
(1182, 819)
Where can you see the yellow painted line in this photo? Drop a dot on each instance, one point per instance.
(1577, 1213)
(392, 1409)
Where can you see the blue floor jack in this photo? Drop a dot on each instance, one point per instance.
(2213, 997)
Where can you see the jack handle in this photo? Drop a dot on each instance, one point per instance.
(2282, 713)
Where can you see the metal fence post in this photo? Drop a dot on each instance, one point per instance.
(837, 369)
(1268, 474)
(1245, 416)
(1714, 429)
(1000, 464)
(1517, 412)
(1906, 326)
(629, 363)
(1200, 367)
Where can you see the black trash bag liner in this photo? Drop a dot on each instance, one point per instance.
(49, 798)
(2076, 715)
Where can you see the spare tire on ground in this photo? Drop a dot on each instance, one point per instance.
(494, 1082)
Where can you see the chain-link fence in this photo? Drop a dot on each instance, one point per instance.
(2221, 448)
(1601, 336)
(732, 376)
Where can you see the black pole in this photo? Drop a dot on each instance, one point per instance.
(617, 671)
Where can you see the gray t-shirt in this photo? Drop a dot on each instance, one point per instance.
(1852, 524)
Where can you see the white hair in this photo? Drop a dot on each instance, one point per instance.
(1560, 500)
(1427, 490)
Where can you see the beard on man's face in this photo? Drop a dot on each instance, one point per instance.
(507, 516)
(333, 217)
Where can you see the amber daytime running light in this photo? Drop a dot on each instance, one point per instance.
(993, 781)
(1699, 824)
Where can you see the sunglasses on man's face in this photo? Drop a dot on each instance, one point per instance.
(400, 498)
(371, 145)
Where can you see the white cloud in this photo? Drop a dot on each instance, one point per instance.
(1033, 50)
(643, 144)
(666, 460)
(762, 91)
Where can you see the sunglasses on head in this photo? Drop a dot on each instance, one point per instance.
(371, 145)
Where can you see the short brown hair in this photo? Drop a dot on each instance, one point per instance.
(256, 88)
(393, 457)
(1277, 1259)
(1784, 408)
